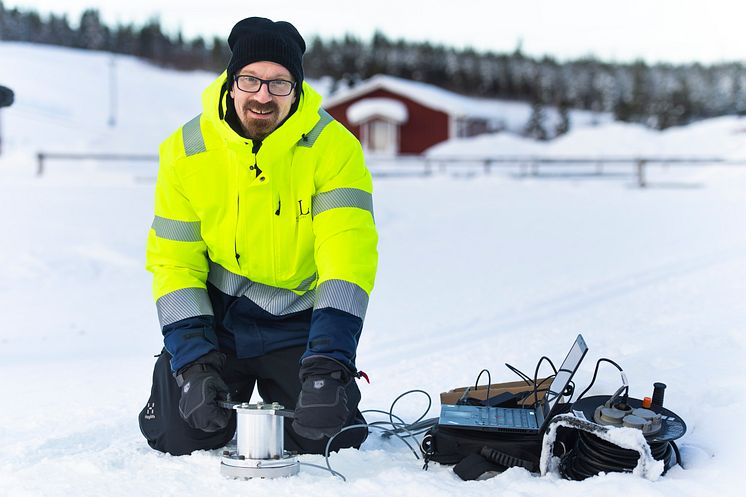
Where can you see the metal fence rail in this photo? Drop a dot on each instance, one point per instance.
(403, 165)
(533, 164)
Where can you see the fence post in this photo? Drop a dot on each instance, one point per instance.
(641, 173)
(39, 164)
(487, 164)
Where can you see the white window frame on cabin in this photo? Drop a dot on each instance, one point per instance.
(380, 136)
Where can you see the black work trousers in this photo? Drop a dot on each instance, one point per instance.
(276, 378)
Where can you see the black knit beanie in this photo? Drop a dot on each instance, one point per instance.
(256, 39)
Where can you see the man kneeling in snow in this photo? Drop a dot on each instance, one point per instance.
(263, 252)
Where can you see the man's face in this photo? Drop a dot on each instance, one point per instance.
(261, 112)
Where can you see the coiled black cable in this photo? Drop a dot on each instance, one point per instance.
(591, 455)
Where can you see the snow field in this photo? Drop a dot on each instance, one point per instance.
(474, 272)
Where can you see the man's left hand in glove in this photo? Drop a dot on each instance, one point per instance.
(321, 410)
(201, 390)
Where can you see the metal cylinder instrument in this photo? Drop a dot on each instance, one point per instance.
(260, 440)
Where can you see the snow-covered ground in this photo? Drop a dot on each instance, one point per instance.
(474, 272)
(723, 137)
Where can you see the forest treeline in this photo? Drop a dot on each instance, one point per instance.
(657, 95)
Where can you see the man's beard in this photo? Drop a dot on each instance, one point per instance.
(259, 129)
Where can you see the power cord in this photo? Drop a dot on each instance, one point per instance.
(520, 373)
(489, 381)
(393, 427)
(463, 397)
(595, 373)
(535, 384)
(592, 455)
(536, 376)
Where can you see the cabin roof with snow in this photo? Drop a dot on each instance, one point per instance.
(392, 115)
(425, 94)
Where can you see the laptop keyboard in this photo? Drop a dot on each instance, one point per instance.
(515, 417)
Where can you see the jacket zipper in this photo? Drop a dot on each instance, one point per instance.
(255, 150)
(255, 167)
(238, 220)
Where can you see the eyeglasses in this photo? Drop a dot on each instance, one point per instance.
(276, 87)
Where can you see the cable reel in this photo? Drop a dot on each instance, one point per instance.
(601, 446)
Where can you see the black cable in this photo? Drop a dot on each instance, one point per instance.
(411, 429)
(595, 373)
(401, 424)
(489, 381)
(527, 379)
(379, 425)
(352, 427)
(429, 403)
(334, 473)
(520, 373)
(396, 427)
(592, 455)
(536, 376)
(678, 454)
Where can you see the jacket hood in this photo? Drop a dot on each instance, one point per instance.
(215, 101)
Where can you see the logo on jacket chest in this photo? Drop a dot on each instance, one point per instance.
(304, 208)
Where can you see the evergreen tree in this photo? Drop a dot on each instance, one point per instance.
(635, 106)
(563, 126)
(152, 43)
(58, 31)
(92, 34)
(536, 125)
(124, 39)
(738, 91)
(2, 18)
(659, 95)
(219, 55)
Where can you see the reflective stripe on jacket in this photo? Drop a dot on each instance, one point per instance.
(280, 234)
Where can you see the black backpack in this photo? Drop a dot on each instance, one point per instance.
(479, 454)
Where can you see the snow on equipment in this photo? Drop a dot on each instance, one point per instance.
(616, 434)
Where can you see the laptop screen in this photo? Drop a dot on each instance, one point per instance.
(564, 374)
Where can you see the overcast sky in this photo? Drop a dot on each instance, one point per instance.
(654, 30)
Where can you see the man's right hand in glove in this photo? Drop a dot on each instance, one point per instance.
(321, 410)
(201, 389)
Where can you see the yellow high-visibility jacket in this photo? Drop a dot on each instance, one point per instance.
(261, 246)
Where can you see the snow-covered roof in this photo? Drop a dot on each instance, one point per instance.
(388, 108)
(430, 96)
(509, 115)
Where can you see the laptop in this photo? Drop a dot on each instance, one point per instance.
(517, 420)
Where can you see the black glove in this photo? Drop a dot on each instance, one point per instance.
(321, 410)
(201, 388)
